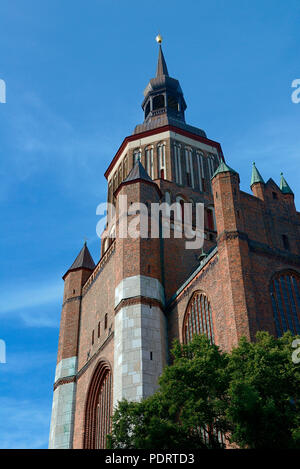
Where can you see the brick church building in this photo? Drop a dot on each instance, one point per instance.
(120, 316)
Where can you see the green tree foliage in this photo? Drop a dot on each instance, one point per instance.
(264, 393)
(250, 396)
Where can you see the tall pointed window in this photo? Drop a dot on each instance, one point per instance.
(110, 201)
(177, 163)
(125, 167)
(98, 408)
(201, 179)
(211, 166)
(115, 182)
(285, 297)
(120, 178)
(149, 162)
(161, 153)
(189, 167)
(198, 318)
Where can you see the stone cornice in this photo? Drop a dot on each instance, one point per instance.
(65, 380)
(138, 300)
(74, 378)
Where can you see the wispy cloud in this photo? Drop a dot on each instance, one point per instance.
(41, 140)
(31, 303)
(21, 363)
(24, 424)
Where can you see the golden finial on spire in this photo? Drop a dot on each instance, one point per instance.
(158, 39)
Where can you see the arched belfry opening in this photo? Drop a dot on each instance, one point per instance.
(98, 408)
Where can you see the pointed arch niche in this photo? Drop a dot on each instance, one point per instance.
(98, 408)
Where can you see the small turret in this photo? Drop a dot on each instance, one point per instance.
(223, 168)
(287, 194)
(226, 192)
(257, 183)
(61, 430)
(78, 273)
(284, 187)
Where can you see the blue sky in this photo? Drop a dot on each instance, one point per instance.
(75, 73)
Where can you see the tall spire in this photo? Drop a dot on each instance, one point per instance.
(284, 187)
(162, 68)
(256, 176)
(164, 103)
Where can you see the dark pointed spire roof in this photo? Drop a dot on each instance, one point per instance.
(256, 176)
(284, 187)
(162, 68)
(223, 168)
(84, 260)
(138, 172)
(164, 103)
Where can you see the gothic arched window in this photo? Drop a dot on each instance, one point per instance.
(177, 162)
(149, 161)
(285, 297)
(198, 318)
(98, 408)
(189, 167)
(137, 155)
(201, 177)
(161, 152)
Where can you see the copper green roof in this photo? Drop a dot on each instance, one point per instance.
(223, 168)
(284, 187)
(256, 176)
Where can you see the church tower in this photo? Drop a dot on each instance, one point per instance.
(114, 327)
(140, 340)
(120, 316)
